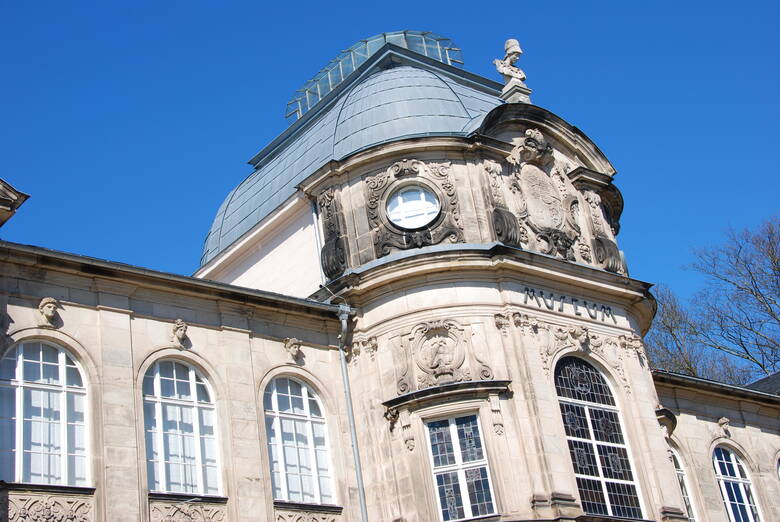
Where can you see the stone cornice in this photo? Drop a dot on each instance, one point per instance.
(132, 276)
(496, 261)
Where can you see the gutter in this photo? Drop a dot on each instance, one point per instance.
(667, 377)
(344, 311)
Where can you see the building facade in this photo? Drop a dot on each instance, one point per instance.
(414, 309)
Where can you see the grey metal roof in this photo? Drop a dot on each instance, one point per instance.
(390, 104)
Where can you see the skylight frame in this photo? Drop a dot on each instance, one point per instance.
(429, 44)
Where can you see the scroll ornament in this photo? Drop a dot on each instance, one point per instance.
(387, 236)
(333, 255)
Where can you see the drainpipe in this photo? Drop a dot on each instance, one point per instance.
(344, 312)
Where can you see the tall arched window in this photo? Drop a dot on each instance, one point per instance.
(596, 443)
(181, 432)
(43, 436)
(683, 481)
(297, 443)
(734, 485)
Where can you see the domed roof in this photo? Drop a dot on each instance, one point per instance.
(391, 104)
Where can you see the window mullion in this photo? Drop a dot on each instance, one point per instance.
(158, 434)
(280, 447)
(597, 458)
(196, 434)
(19, 415)
(315, 477)
(63, 420)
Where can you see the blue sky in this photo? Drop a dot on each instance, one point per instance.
(129, 122)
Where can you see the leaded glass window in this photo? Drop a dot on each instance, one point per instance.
(180, 425)
(43, 435)
(735, 486)
(598, 450)
(682, 480)
(297, 443)
(460, 468)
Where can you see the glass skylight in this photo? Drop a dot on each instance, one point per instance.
(424, 42)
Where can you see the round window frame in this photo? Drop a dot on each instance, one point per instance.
(407, 184)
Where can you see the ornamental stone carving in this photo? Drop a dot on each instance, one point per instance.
(28, 507)
(362, 345)
(439, 352)
(435, 177)
(333, 255)
(48, 317)
(505, 223)
(724, 427)
(515, 89)
(283, 515)
(179, 334)
(293, 348)
(187, 512)
(548, 202)
(605, 249)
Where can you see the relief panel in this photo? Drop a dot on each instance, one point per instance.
(37, 507)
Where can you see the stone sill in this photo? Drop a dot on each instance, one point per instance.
(312, 508)
(53, 489)
(186, 497)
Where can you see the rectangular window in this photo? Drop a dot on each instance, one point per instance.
(460, 468)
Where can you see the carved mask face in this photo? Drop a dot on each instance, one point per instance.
(49, 310)
(180, 332)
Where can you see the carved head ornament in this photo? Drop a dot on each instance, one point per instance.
(47, 309)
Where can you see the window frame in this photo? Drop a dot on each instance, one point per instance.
(157, 400)
(402, 222)
(744, 484)
(686, 489)
(19, 384)
(308, 392)
(459, 466)
(594, 442)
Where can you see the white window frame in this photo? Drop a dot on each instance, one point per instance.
(400, 216)
(588, 406)
(459, 466)
(276, 415)
(744, 485)
(19, 384)
(685, 485)
(157, 400)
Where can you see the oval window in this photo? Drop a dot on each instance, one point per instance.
(413, 207)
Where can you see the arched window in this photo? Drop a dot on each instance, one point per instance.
(43, 436)
(180, 429)
(683, 481)
(734, 485)
(297, 443)
(596, 443)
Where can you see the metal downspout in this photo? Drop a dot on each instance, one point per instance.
(344, 312)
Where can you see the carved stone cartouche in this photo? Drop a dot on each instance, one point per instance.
(433, 176)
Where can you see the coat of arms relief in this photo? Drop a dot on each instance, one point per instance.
(440, 351)
(536, 206)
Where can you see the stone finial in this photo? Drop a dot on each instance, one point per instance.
(293, 348)
(179, 333)
(515, 89)
(47, 310)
